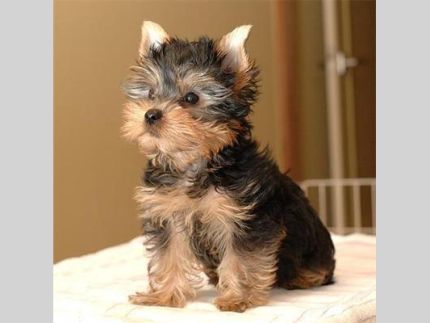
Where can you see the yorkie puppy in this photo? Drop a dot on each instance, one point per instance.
(210, 199)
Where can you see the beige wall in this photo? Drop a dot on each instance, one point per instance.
(312, 135)
(95, 170)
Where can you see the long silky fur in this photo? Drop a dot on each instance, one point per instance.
(210, 189)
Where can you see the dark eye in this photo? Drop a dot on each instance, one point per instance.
(151, 95)
(191, 98)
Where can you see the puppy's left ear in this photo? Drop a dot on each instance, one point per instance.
(153, 35)
(232, 45)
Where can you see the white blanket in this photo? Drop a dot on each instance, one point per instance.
(95, 287)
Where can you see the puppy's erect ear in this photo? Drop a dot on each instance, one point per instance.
(152, 36)
(233, 46)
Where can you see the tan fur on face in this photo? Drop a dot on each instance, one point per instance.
(180, 139)
(134, 116)
(180, 132)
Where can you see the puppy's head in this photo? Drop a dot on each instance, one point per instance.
(188, 100)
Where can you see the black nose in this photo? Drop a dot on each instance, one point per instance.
(153, 115)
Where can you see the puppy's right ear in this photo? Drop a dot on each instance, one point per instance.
(152, 37)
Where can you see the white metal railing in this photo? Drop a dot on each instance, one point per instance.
(351, 203)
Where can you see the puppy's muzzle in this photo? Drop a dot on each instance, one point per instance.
(152, 116)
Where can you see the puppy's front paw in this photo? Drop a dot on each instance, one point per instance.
(231, 304)
(157, 299)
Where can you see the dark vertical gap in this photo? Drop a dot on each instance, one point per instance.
(364, 44)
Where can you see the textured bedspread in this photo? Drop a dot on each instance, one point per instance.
(95, 287)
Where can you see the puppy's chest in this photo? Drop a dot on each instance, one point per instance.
(215, 211)
(180, 201)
